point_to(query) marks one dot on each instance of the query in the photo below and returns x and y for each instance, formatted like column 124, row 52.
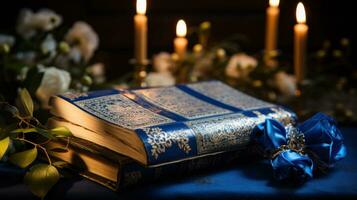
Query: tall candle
column 272, row 20
column 300, row 41
column 180, row 42
column 140, row 25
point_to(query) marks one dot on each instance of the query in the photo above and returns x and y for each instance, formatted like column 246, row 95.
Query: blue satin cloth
column 297, row 152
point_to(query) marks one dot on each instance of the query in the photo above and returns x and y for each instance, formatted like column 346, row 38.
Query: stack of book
column 123, row 137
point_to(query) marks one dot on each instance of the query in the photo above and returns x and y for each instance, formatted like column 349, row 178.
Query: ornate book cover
column 181, row 122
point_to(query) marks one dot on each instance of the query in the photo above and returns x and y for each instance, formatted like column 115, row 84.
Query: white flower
column 285, row 83
column 29, row 22
column 7, row 39
column 97, row 71
column 155, row 79
column 83, row 37
column 240, row 65
column 54, row 81
column 49, row 45
column 162, row 62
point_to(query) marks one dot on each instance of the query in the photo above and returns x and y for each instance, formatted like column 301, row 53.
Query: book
column 117, row 172
column 158, row 126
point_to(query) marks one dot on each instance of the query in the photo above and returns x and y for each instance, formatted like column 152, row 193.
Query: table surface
column 245, row 179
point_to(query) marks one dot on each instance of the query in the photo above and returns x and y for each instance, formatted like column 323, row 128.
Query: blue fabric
column 293, row 151
column 324, row 139
column 292, row 166
column 246, row 179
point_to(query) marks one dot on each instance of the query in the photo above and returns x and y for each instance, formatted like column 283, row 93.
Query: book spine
column 133, row 174
column 195, row 138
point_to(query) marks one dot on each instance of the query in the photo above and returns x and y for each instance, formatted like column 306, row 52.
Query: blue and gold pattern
column 227, row 95
column 186, row 140
column 121, row 111
column 229, row 132
column 185, row 121
column 168, row 142
column 221, row 133
column 179, row 102
column 160, row 140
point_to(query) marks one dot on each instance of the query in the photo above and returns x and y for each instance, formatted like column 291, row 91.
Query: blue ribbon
column 296, row 151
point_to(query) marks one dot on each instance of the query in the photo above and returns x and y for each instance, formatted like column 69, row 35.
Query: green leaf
column 24, row 158
column 45, row 133
column 41, row 178
column 26, row 102
column 4, row 145
column 61, row 132
column 24, row 130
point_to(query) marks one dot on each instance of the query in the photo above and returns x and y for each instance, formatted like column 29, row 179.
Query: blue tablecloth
column 245, row 179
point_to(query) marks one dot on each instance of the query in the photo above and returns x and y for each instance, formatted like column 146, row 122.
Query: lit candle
column 272, row 20
column 180, row 42
column 300, row 40
column 140, row 24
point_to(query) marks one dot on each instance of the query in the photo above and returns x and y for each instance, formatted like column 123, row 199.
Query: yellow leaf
column 61, row 131
column 41, row 178
column 24, row 158
column 4, row 145
column 24, row 130
column 26, row 101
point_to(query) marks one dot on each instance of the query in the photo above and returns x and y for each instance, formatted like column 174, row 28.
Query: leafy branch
column 21, row 136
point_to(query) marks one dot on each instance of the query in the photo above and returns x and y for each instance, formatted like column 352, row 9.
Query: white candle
column 180, row 42
column 272, row 21
column 140, row 25
column 300, row 42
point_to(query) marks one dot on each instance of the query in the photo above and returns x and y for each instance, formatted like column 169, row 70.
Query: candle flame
column 141, row 7
column 181, row 28
column 274, row 3
column 300, row 13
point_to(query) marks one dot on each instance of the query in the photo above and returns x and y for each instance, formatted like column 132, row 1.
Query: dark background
column 113, row 21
